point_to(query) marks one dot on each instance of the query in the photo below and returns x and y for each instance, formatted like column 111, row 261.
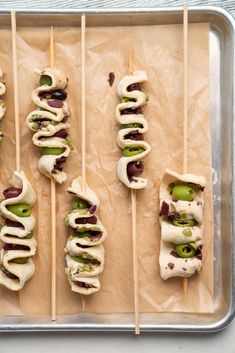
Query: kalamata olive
column 61, row 133
column 45, row 94
column 8, row 274
column 59, row 94
column 129, row 111
column 92, row 209
column 135, row 168
column 11, row 223
column 7, row 247
column 164, row 209
column 55, row 103
column 90, row 220
column 65, row 118
column 83, row 284
column 12, row 192
column 134, row 135
column 134, row 87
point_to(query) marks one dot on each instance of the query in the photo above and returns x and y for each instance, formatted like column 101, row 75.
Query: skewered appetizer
column 129, row 115
column 84, row 249
column 181, row 221
column 2, row 104
column 16, row 266
column 49, row 123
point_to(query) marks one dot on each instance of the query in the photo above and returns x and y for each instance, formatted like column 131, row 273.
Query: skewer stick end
column 83, row 303
column 130, row 58
column 185, row 286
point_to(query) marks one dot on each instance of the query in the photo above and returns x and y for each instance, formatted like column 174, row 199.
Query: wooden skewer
column 16, row 91
column 185, row 125
column 134, row 232
column 53, row 214
column 83, row 91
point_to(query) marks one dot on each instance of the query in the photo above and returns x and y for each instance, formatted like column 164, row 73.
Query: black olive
column 59, row 94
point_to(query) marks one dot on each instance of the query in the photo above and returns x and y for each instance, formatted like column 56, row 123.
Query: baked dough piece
column 48, row 120
column 84, row 262
column 84, row 252
column 172, row 265
column 138, row 100
column 19, row 242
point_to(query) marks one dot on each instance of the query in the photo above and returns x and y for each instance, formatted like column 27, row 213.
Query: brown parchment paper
column 158, row 50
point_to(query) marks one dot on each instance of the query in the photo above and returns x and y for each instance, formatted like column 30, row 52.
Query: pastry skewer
column 133, row 125
column 181, row 204
column 134, row 231
column 16, row 265
column 185, row 125
column 50, row 127
column 84, row 249
column 83, row 109
column 53, row 213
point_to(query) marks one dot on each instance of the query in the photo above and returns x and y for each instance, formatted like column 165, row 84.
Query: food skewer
column 84, row 249
column 134, row 229
column 83, row 110
column 133, row 125
column 185, row 124
column 2, row 103
column 50, row 127
column 16, row 265
column 181, row 204
column 53, row 213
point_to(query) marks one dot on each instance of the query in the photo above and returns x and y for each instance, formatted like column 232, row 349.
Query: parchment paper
column 158, row 50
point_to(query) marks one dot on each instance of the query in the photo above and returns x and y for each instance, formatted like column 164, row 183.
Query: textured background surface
column 108, row 342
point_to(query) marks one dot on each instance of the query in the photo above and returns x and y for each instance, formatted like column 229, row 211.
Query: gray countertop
column 119, row 342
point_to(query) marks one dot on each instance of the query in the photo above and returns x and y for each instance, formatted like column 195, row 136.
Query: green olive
column 183, row 222
column 84, row 259
column 183, row 192
column 80, row 204
column 29, row 236
column 20, row 209
column 132, row 151
column 185, row 250
column 80, row 235
column 127, row 99
column 20, row 260
column 131, row 125
column 53, row 122
column 45, row 80
column 53, row 150
column 82, row 230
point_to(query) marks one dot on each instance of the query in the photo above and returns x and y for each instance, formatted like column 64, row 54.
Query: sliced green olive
column 53, row 122
column 183, row 192
column 182, row 222
column 131, row 125
column 127, row 99
column 85, row 259
column 20, row 209
column 29, row 236
column 82, row 229
column 80, row 204
column 132, row 151
column 185, row 250
column 81, row 235
column 45, row 80
column 20, row 260
column 52, row 150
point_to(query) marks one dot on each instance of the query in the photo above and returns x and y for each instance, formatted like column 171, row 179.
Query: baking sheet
column 158, row 50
